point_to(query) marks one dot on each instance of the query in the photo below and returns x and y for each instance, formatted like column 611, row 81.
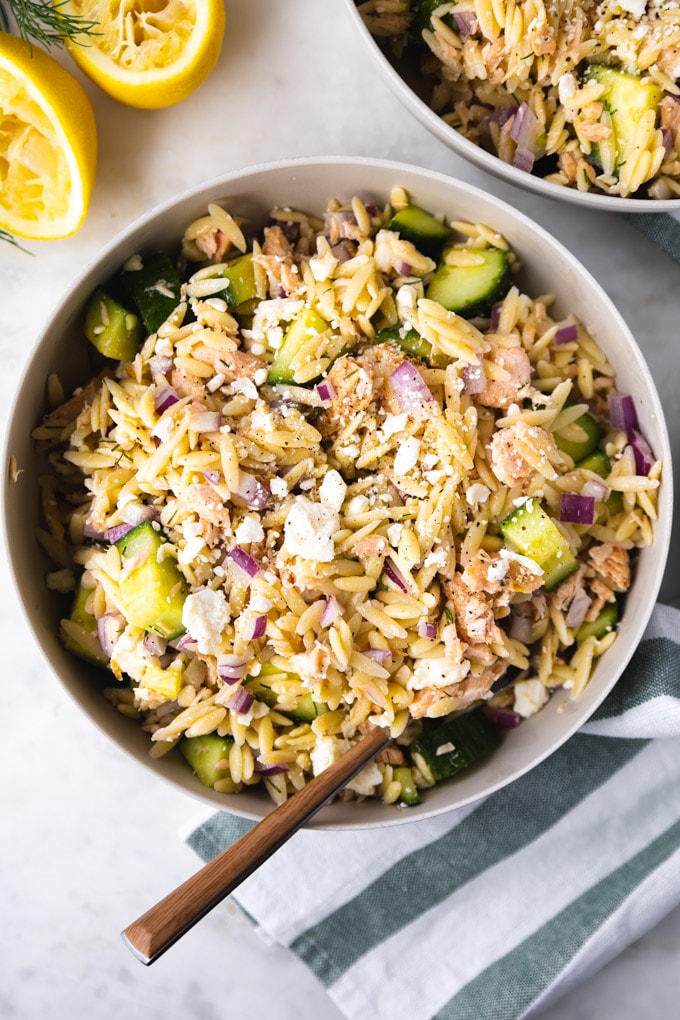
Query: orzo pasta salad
column 335, row 473
column 584, row 93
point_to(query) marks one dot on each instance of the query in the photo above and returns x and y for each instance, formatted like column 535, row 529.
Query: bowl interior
column 547, row 268
column 406, row 82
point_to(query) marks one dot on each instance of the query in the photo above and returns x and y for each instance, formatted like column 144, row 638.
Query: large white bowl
column 308, row 184
column 404, row 80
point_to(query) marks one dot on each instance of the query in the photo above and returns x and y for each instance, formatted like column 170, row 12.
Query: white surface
column 89, row 842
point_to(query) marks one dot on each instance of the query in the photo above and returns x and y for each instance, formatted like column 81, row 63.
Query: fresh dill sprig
column 5, row 236
column 45, row 23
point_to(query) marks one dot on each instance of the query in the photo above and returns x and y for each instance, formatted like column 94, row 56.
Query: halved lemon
column 48, row 144
column 148, row 53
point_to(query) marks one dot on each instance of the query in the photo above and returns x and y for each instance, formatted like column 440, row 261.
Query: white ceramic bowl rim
column 486, row 160
column 350, row 175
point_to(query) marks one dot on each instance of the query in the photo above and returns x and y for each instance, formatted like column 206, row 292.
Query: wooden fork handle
column 161, row 926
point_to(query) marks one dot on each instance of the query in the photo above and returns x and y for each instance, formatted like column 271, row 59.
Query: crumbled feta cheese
column 325, row 751
column 309, row 530
column 476, row 494
column 260, row 604
column 445, row 748
column 394, row 534
column 530, row 695
column 407, row 456
column 393, row 423
column 260, row 376
column 437, row 558
column 205, row 615
column 192, row 547
column 163, row 429
column 322, row 266
column 437, row 673
column 278, row 487
column 429, row 461
column 215, row 383
column 249, row 530
column 245, row 386
column 333, row 489
column 358, row 505
column 634, row 7
column 365, row 782
column 406, row 299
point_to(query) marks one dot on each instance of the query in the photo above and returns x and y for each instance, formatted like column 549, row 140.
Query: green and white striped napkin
column 496, row 909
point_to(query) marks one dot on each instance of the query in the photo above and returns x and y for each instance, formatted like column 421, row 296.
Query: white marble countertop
column 88, row 843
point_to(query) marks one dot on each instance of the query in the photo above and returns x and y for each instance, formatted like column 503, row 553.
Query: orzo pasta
column 584, row 93
column 337, row 473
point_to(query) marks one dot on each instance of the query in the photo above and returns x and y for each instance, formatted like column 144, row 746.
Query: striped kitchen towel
column 493, row 911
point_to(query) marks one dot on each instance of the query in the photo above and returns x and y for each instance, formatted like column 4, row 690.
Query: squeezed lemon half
column 48, row 144
column 148, row 53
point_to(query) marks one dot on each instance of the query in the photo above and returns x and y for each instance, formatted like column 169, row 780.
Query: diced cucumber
column 208, row 756
column 240, row 276
column 409, row 791
column 471, row 290
column 580, row 438
column 531, row 532
column 627, row 97
column 412, row 343
column 598, row 462
column 455, row 744
column 115, row 331
column 425, row 232
column 167, row 682
column 152, row 592
column 304, row 326
column 155, row 289
column 305, row 710
column 81, row 637
column 607, row 620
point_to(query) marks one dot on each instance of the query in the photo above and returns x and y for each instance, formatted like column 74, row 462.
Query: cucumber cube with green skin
column 152, row 592
column 409, row 791
column 304, row 326
column 240, row 276
column 167, row 682
column 411, row 342
column 155, row 289
column 530, row 531
column 425, row 232
column 626, row 97
column 115, row 331
column 599, row 627
column 598, row 462
column 455, row 745
column 471, row 290
column 80, row 637
column 306, row 709
column 208, row 756
column 580, row 438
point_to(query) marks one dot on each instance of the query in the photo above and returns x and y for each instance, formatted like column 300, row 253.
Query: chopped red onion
column 566, row 333
column 109, row 628
column 164, row 399
column 326, row 391
column 336, row 222
column 259, row 627
column 244, row 560
column 184, row 643
column 503, row 114
column 523, row 160
column 577, row 509
column 667, row 139
column 135, row 513
column 595, row 488
column 332, row 610
column 342, row 251
column 252, row 492
column 466, row 23
column 269, row 770
column 113, row 534
column 231, row 668
column 394, row 575
column 644, row 458
column 410, row 389
column 89, row 531
column 403, row 268
column 238, row 701
column 495, row 316
column 622, row 412
column 506, row 719
column 427, row 629
column 160, row 364
column 522, row 623
column 525, row 129
column 579, row 606
column 212, row 476
column 154, row 644
column 205, row 421
column 379, row 655
column 474, row 380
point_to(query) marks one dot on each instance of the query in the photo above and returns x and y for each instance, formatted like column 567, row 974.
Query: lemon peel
column 148, row 53
column 48, row 144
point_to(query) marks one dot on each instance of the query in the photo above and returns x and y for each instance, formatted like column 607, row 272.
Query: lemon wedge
column 48, row 144
column 148, row 53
